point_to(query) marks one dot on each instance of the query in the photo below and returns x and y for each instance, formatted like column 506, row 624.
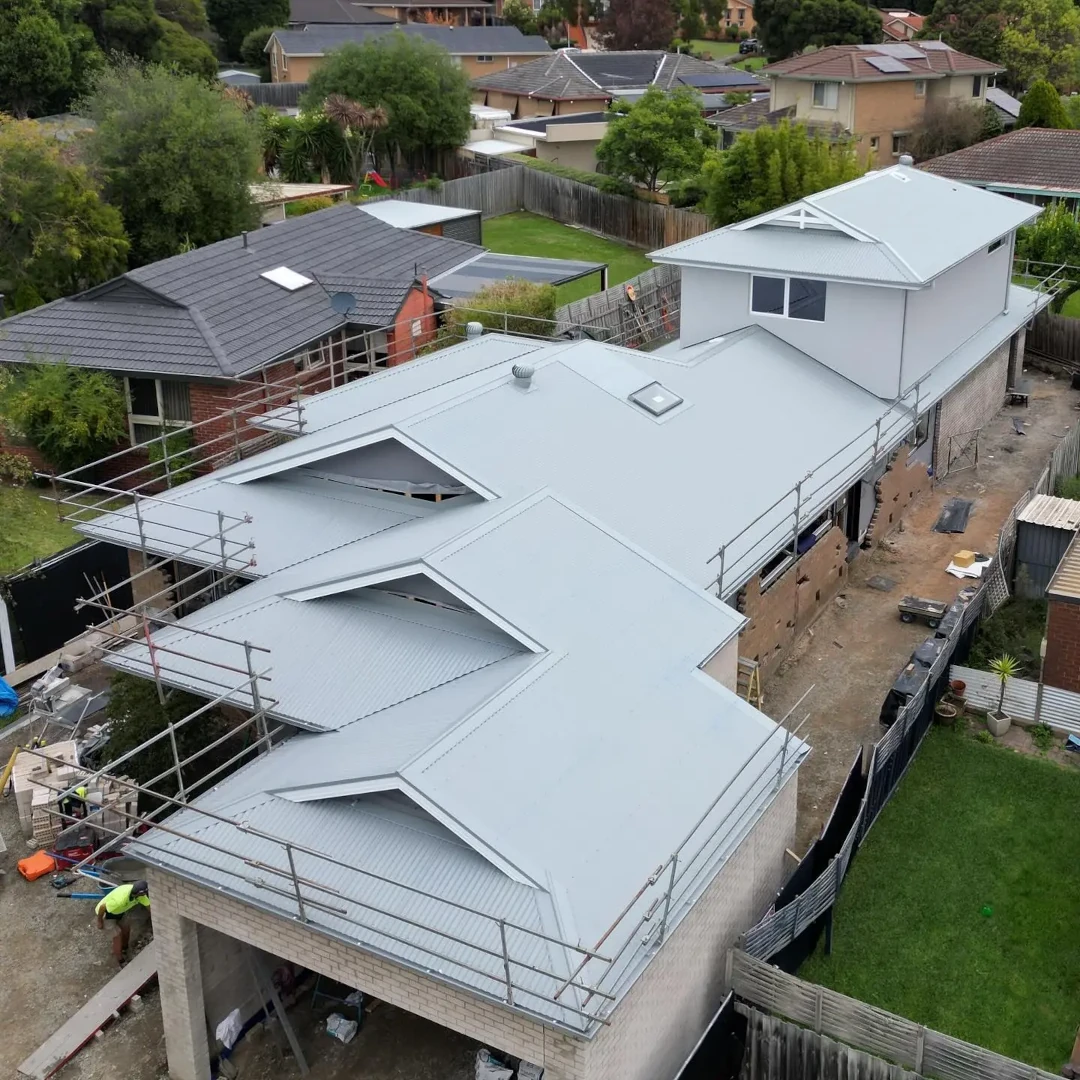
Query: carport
column 492, row 266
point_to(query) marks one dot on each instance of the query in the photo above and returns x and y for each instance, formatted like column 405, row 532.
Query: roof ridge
column 578, row 69
column 212, row 342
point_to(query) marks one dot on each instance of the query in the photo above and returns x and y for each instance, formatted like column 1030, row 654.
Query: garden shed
column 1044, row 530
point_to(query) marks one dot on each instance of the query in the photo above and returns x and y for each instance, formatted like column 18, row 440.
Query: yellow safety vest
column 119, row 901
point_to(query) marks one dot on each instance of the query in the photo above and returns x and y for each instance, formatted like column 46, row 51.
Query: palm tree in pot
column 1005, row 667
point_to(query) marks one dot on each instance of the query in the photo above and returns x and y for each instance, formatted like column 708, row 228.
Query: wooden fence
column 652, row 316
column 1056, row 338
column 873, row 1030
column 777, row 1050
column 502, row 191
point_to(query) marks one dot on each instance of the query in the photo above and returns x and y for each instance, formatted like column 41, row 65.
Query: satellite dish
column 343, row 302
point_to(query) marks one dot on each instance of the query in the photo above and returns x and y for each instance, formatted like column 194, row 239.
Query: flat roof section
column 410, row 215
column 485, row 270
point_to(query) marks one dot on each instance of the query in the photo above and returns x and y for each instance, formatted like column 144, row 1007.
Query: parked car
column 750, row 45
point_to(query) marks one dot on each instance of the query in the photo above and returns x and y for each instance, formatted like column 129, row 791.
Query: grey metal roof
column 1065, row 584
column 928, row 225
column 1003, row 101
column 470, row 277
column 316, row 40
column 302, row 12
column 580, row 705
column 208, row 312
column 1053, row 512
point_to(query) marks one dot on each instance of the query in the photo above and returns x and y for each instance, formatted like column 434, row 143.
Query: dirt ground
column 854, row 651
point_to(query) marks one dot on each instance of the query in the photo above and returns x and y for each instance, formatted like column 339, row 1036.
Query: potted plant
column 1005, row 667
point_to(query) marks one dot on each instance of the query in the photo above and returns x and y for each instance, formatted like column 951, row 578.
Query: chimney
column 523, row 374
column 907, row 159
column 243, row 236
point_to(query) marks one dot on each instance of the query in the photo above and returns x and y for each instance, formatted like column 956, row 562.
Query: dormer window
column 792, row 298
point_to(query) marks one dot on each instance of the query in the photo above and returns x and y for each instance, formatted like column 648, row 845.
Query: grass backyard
column 29, row 527
column 523, row 233
column 960, row 909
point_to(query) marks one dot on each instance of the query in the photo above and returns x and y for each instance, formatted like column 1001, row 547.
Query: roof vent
column 656, row 399
column 906, row 159
column 288, row 279
column 523, row 374
column 473, row 329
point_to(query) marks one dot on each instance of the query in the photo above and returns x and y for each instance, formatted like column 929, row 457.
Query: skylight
column 286, row 278
column 655, row 399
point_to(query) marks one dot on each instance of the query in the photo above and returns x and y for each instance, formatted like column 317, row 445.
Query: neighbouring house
column 740, row 119
column 447, row 12
column 569, row 140
column 1005, row 105
column 236, row 77
column 273, row 196
column 878, row 94
column 576, row 81
column 919, row 264
column 1061, row 665
column 295, row 54
column 740, row 14
column 899, row 24
column 1035, row 165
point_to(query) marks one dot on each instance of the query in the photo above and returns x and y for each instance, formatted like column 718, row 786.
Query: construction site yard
column 854, row 651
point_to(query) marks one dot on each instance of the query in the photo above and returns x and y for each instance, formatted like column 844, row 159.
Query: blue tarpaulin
column 9, row 700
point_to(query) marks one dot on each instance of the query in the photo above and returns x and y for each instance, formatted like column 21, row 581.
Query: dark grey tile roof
column 302, row 12
column 210, row 313
column 572, row 73
column 459, row 40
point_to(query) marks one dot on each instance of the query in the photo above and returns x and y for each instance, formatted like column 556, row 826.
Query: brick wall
column 778, row 615
column 650, row 1034
column 970, row 406
column 903, row 479
column 1062, row 664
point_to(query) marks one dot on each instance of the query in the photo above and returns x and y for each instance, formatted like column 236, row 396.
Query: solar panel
column 936, row 45
column 888, row 65
column 899, row 49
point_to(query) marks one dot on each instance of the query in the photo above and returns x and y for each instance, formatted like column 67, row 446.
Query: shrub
column 1042, row 735
column 610, row 184
column 984, row 736
column 731, row 33
column 15, row 469
column 516, row 306
column 1015, row 629
column 178, row 445
column 308, row 206
column 71, row 416
column 1068, row 487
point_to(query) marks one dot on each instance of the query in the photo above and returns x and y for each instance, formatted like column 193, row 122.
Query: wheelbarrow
column 930, row 612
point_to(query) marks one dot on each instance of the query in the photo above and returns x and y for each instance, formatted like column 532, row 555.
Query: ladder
column 750, row 681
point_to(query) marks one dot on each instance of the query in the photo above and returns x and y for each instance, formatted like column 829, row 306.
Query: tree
column 425, row 94
column 358, row 125
column 949, row 125
column 660, row 135
column 313, row 149
column 177, row 157
column 70, row 415
column 190, row 14
column 637, row 24
column 970, row 26
column 691, row 20
column 253, row 47
column 1041, row 107
column 1053, row 240
column 785, row 27
column 520, row 14
column 235, row 19
column 131, row 27
column 770, row 167
column 1040, row 39
column 56, row 235
column 178, row 50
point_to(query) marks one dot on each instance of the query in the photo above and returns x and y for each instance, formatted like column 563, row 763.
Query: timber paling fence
column 772, row 1048
column 651, row 317
column 519, row 187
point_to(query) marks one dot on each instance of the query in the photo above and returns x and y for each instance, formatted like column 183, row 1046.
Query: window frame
column 976, row 86
column 786, row 313
column 825, row 87
column 485, row 58
column 920, row 88
column 145, row 419
column 875, row 143
column 995, row 245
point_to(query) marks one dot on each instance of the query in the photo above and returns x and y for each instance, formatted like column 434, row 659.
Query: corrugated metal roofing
column 932, row 225
column 468, row 279
column 1065, row 584
column 1053, row 512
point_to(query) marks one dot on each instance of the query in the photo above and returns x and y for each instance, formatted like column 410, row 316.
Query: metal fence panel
column 984, row 687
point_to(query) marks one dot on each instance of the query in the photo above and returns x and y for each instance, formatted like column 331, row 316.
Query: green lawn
column 718, row 49
column 29, row 527
column 961, row 910
column 523, row 233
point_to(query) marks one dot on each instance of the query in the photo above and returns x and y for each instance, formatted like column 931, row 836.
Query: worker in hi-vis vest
column 114, row 907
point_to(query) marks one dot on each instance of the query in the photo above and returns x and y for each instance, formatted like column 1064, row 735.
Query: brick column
column 180, row 982
column 1061, row 667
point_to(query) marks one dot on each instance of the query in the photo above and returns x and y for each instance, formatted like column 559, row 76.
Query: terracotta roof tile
column 852, row 62
column 1043, row 158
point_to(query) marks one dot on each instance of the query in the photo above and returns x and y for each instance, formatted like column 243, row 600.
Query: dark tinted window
column 768, row 295
column 806, row 299
column 143, row 397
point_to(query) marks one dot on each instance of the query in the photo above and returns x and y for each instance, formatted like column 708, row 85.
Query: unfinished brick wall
column 895, row 490
column 970, row 406
column 1061, row 667
column 650, row 1034
column 778, row 615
